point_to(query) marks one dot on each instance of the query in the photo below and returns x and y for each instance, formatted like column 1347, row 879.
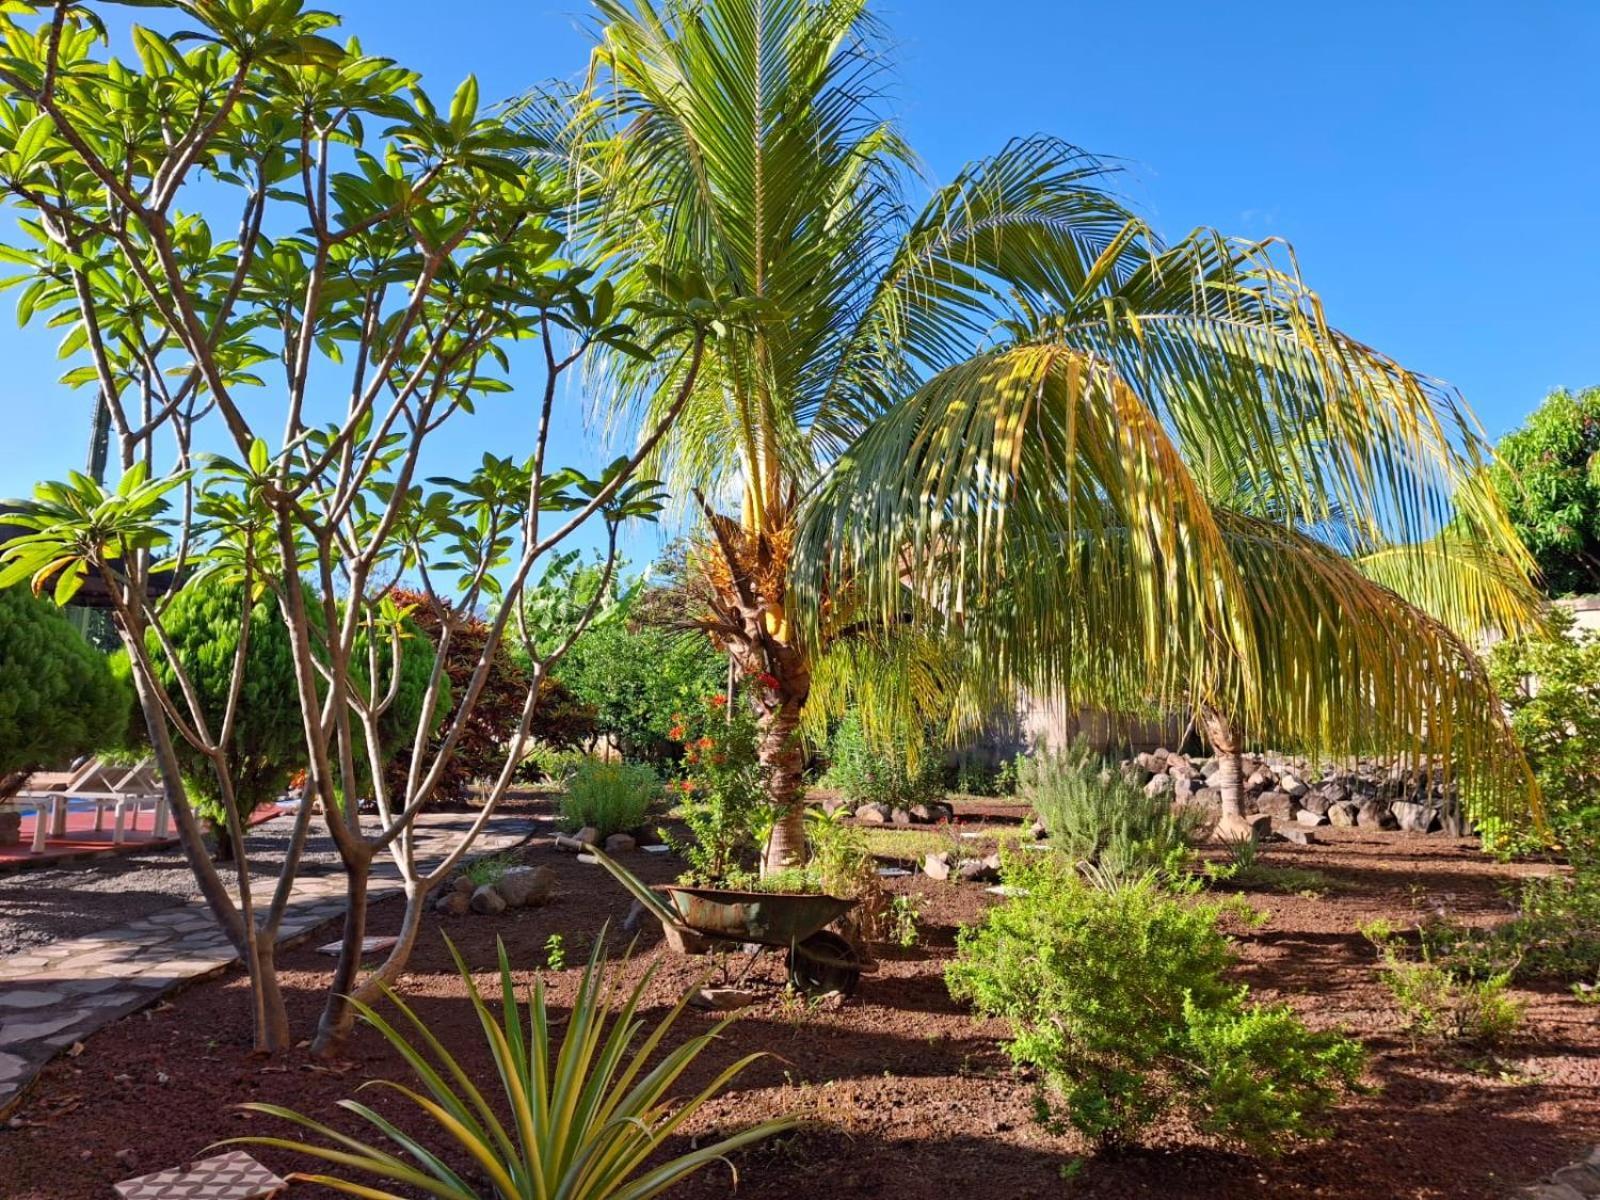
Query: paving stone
column 32, row 998
column 231, row 1176
column 17, row 1033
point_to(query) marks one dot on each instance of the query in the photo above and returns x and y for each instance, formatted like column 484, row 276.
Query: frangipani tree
column 950, row 408
column 384, row 255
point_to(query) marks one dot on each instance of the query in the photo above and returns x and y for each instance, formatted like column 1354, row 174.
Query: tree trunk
column 333, row 1026
column 1226, row 743
column 781, row 758
column 333, row 1030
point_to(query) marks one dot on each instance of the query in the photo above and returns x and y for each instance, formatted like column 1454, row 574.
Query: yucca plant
column 586, row 1123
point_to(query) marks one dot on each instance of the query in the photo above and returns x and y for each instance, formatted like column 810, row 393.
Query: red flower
column 705, row 743
column 767, row 680
column 677, row 733
column 717, row 701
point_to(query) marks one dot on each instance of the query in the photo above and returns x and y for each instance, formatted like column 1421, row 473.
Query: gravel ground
column 50, row 904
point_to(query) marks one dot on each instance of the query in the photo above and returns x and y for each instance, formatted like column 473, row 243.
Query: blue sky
column 1435, row 164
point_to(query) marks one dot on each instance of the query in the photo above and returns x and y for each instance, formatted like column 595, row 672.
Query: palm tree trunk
column 1226, row 743
column 783, row 763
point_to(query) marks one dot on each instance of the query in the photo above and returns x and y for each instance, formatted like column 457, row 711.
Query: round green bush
column 58, row 696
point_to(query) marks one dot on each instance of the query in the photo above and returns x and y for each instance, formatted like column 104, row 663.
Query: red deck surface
column 81, row 838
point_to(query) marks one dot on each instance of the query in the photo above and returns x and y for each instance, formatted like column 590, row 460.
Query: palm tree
column 943, row 410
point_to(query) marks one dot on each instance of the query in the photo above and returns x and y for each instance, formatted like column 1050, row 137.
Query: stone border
column 60, row 993
column 1578, row 1181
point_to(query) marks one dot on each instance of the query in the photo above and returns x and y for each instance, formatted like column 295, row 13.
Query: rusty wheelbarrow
column 819, row 960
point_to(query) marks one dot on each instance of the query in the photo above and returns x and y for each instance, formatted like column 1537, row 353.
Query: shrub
column 1441, row 1000
column 614, row 797
column 905, row 772
column 58, row 697
column 203, row 623
column 1551, row 689
column 480, row 751
column 1546, row 476
column 724, row 798
column 1096, row 816
column 548, row 764
column 615, row 1101
column 1119, row 998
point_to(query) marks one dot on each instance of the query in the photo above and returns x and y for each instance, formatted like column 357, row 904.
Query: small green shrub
column 904, row 912
column 488, row 870
column 614, row 797
column 908, row 771
column 1096, row 816
column 545, row 763
column 724, row 797
column 1441, row 1001
column 1558, row 929
column 1119, row 998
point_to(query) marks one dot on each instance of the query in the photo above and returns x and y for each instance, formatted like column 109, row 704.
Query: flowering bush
column 723, row 794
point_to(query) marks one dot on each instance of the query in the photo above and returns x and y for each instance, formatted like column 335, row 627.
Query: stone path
column 62, row 992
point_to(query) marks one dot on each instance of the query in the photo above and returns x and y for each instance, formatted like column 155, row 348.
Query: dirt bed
column 906, row 1095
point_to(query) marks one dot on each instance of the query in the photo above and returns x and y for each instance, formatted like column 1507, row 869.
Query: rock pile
column 1368, row 794
column 519, row 887
column 929, row 813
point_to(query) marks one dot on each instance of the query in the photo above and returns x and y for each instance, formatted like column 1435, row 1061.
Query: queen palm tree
column 945, row 408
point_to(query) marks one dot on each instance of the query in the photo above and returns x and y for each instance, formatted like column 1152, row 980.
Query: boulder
column 932, row 812
column 1315, row 802
column 620, row 843
column 1310, row 819
column 1413, row 817
column 1182, row 787
column 831, row 804
column 937, row 866
column 1290, row 786
column 1374, row 814
column 1209, row 796
column 1244, row 829
column 980, row 870
column 1160, row 784
column 1039, row 830
column 588, row 835
column 1300, row 837
column 527, row 887
column 1335, row 792
column 453, row 904
column 1277, row 804
column 1259, row 780
column 1343, row 814
column 487, row 902
column 900, row 816
column 873, row 814
column 464, row 885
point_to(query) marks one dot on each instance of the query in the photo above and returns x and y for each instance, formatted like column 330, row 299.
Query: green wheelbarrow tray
column 819, row 960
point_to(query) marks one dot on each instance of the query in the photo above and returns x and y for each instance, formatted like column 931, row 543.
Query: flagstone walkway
column 60, row 993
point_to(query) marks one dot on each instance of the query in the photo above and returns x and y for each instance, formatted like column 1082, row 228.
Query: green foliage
column 587, row 1119
column 907, row 771
column 1555, row 935
column 1097, row 816
column 614, row 797
column 1439, row 999
column 555, row 952
column 1547, row 476
column 632, row 674
column 203, row 624
column 1551, row 688
column 1558, row 928
column 488, row 869
column 58, row 697
column 904, row 913
column 549, row 764
column 1119, row 997
column 724, row 801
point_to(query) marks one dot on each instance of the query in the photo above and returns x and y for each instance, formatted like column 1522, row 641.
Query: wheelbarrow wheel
column 822, row 963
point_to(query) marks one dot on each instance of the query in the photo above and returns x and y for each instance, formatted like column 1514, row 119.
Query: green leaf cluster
column 58, row 696
column 1120, row 998
column 1548, row 476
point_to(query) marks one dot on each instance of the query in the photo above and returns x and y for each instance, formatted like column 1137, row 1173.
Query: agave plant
column 585, row 1122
